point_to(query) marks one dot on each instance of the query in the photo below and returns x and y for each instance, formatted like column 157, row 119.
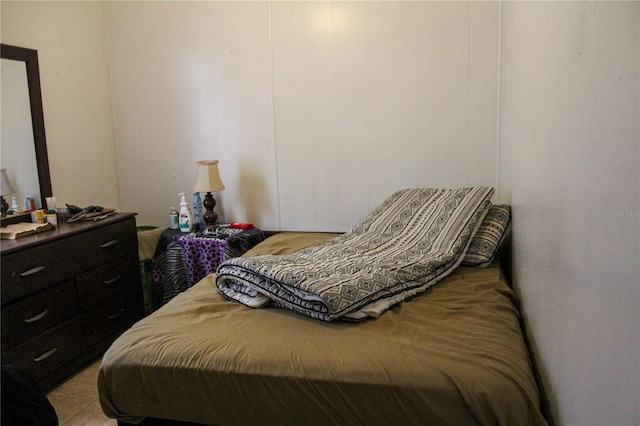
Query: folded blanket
column 411, row 241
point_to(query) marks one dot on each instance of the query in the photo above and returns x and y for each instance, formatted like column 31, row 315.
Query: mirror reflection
column 23, row 158
column 17, row 150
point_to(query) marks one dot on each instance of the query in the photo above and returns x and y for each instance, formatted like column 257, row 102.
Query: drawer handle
column 117, row 314
column 113, row 280
column 33, row 271
column 109, row 244
column 45, row 355
column 37, row 317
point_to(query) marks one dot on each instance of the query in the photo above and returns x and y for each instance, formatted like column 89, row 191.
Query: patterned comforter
column 411, row 241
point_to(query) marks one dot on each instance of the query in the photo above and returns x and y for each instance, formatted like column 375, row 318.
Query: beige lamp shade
column 6, row 187
column 208, row 179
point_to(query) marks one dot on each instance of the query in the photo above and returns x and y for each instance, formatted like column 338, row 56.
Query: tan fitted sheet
column 453, row 355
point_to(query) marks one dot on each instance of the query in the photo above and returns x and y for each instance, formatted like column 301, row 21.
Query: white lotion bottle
column 185, row 219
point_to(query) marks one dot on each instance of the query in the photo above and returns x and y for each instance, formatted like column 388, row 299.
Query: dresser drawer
column 30, row 270
column 116, row 314
column 108, row 280
column 26, row 318
column 106, row 243
column 49, row 351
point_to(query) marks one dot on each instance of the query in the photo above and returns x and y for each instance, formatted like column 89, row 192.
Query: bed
column 451, row 354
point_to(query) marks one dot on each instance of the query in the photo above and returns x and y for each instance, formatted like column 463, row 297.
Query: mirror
column 24, row 145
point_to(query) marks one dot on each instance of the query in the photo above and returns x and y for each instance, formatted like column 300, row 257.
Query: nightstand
column 181, row 260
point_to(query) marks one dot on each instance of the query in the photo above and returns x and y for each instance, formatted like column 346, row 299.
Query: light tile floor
column 76, row 400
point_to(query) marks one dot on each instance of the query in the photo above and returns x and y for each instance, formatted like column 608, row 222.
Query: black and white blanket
column 411, row 241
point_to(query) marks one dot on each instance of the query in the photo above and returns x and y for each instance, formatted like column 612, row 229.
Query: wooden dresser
column 67, row 294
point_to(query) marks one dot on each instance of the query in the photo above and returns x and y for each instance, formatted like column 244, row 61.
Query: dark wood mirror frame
column 30, row 58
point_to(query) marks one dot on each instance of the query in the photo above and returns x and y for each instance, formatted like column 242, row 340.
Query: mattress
column 451, row 355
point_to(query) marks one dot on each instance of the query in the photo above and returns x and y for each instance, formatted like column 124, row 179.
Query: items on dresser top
column 74, row 213
column 182, row 260
column 67, row 294
column 22, row 229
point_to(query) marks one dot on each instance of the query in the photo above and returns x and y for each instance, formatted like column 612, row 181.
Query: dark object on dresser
column 67, row 294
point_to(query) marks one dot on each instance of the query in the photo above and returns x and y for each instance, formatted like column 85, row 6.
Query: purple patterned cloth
column 203, row 255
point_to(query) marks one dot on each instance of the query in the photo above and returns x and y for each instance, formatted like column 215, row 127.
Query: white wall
column 71, row 44
column 316, row 111
column 374, row 97
column 571, row 169
column 192, row 81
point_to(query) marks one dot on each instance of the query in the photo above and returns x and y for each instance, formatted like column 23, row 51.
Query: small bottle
column 198, row 221
column 52, row 217
column 40, row 216
column 173, row 218
column 51, row 203
column 185, row 218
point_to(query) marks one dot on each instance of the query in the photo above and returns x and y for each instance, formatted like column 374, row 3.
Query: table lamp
column 208, row 180
column 7, row 189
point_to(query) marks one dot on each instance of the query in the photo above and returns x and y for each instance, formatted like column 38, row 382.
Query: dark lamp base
column 210, row 217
